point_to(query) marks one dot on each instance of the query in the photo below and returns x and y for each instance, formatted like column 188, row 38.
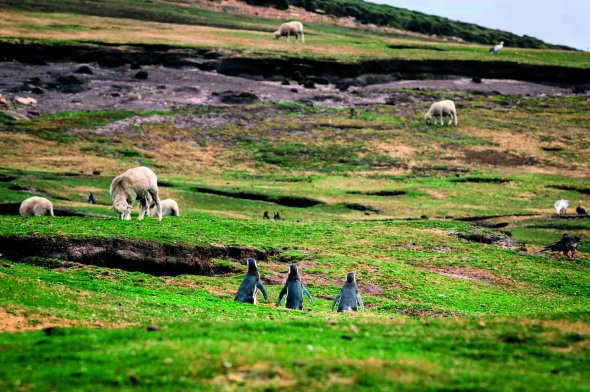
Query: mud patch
column 501, row 241
column 482, row 180
column 497, row 158
column 386, row 193
column 289, row 201
column 362, row 207
column 12, row 209
column 468, row 273
column 130, row 255
column 585, row 191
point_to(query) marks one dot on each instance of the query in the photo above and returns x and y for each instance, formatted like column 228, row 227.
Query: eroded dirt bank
column 129, row 254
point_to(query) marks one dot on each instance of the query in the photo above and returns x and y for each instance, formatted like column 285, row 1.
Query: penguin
column 276, row 216
column 265, row 215
column 568, row 245
column 250, row 285
column 91, row 198
column 581, row 210
column 294, row 290
column 349, row 296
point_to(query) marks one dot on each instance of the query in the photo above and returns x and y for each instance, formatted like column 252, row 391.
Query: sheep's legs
column 154, row 194
column 302, row 38
column 143, row 207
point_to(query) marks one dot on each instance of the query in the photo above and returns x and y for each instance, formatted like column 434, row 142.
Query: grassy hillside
column 443, row 225
column 192, row 26
column 442, row 310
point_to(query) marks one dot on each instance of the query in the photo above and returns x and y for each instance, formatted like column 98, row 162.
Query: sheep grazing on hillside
column 497, row 48
column 140, row 184
column 36, row 206
column 441, row 109
column 288, row 29
column 169, row 208
column 561, row 206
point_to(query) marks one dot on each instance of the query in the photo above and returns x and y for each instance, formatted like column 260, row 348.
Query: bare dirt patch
column 468, row 273
column 127, row 254
column 499, row 158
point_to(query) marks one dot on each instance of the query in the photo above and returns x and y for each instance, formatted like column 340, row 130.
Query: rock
column 188, row 89
column 235, row 97
column 37, row 90
column 342, row 86
column 84, row 69
column 135, row 66
column 578, row 90
column 476, row 79
column 212, row 55
column 3, row 101
column 68, row 84
column 319, row 80
column 25, row 100
column 308, row 84
column 294, row 90
column 95, row 173
column 141, row 74
column 298, row 76
column 285, row 82
column 210, row 65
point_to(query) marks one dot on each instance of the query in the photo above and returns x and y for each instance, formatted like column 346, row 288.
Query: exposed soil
column 468, row 273
column 497, row 158
column 362, row 207
column 128, row 254
column 185, row 77
column 501, row 241
column 289, row 201
column 12, row 209
column 481, row 180
column 386, row 193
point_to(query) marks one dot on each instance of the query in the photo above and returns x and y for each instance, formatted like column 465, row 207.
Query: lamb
column 497, row 48
column 288, row 29
column 441, row 109
column 36, row 206
column 169, row 208
column 139, row 183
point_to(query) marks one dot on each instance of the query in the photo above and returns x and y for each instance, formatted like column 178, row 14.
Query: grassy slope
column 510, row 308
column 195, row 27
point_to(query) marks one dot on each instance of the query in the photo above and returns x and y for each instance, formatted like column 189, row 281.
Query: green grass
column 442, row 312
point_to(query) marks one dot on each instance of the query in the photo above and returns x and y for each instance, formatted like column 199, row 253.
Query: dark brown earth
column 127, row 254
column 58, row 88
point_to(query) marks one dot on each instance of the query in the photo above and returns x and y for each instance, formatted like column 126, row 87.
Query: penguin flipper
column 281, row 295
column 307, row 293
column 360, row 301
column 336, row 300
column 261, row 288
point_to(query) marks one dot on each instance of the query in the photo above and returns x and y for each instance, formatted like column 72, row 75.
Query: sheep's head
column 123, row 209
column 428, row 117
column 276, row 35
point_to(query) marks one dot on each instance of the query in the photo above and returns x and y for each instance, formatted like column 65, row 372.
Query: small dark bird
column 581, row 210
column 91, row 198
column 276, row 216
column 568, row 245
column 265, row 215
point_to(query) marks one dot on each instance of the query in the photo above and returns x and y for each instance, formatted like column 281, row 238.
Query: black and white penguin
column 294, row 290
column 349, row 298
column 250, row 285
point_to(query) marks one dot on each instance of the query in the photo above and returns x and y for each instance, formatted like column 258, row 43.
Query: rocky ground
column 68, row 86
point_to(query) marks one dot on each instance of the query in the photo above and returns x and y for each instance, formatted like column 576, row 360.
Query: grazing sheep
column 561, row 206
column 441, row 109
column 497, row 48
column 288, row 29
column 169, row 208
column 140, row 184
column 36, row 206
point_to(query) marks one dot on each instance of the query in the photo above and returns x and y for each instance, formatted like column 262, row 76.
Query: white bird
column 497, row 48
column 561, row 206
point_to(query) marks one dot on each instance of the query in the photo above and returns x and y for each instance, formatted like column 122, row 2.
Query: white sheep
column 139, row 183
column 36, row 206
column 441, row 109
column 561, row 206
column 497, row 48
column 169, row 208
column 288, row 29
